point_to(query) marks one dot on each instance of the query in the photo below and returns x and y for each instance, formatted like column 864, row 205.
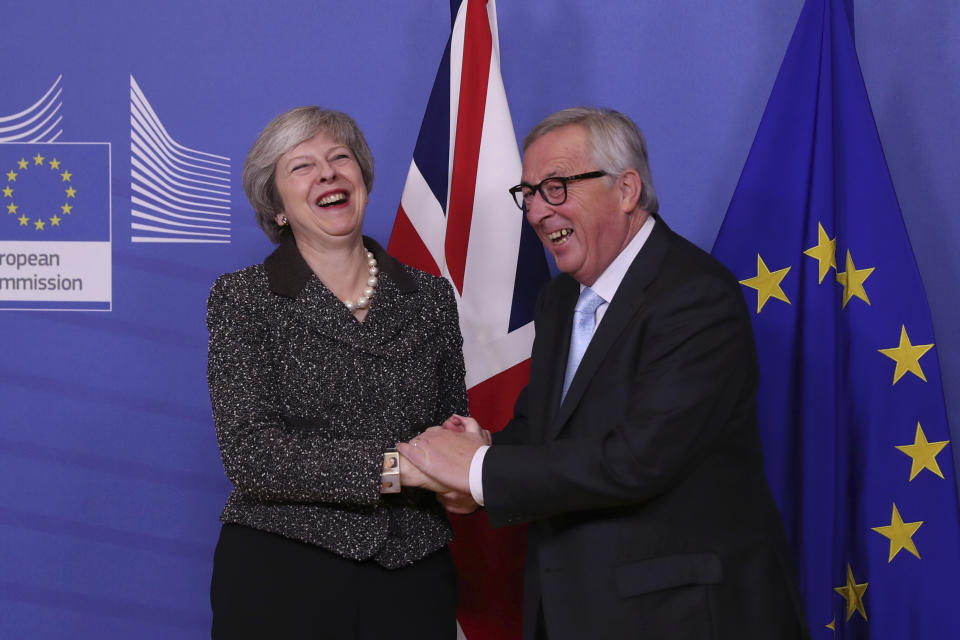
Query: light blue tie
column 583, row 325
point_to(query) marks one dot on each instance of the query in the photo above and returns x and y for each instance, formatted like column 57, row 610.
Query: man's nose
column 538, row 208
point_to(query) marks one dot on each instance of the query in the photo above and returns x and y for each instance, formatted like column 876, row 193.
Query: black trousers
column 268, row 586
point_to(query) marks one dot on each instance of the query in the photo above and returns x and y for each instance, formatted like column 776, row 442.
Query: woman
column 320, row 360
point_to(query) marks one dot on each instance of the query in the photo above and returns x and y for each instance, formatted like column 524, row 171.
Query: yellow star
column 66, row 209
column 55, row 221
column 54, row 164
column 23, row 220
column 767, row 284
column 38, row 160
column 853, row 594
column 907, row 356
column 900, row 534
column 825, row 251
column 11, row 208
column 833, row 624
column 923, row 454
column 852, row 281
column 22, row 163
column 7, row 192
column 71, row 192
column 11, row 176
column 66, row 175
column 39, row 224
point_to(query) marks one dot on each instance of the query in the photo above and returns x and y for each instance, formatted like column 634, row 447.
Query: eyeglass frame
column 538, row 188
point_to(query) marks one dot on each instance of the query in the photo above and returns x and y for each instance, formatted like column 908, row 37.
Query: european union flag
column 851, row 406
column 55, row 191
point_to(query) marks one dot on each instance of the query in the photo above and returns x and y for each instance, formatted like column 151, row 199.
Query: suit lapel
column 550, row 353
column 625, row 305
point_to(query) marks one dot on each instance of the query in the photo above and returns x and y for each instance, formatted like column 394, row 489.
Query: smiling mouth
column 332, row 199
column 560, row 236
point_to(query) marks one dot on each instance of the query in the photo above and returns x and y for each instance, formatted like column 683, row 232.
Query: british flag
column 456, row 219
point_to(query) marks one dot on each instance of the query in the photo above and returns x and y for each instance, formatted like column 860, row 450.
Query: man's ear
column 630, row 186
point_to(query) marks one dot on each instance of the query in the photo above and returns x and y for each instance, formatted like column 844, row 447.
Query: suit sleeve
column 691, row 374
column 262, row 456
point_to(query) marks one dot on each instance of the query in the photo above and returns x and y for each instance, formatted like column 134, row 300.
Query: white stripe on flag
column 425, row 214
column 491, row 265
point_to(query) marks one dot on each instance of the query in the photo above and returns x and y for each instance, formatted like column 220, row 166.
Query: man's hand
column 445, row 454
column 411, row 476
column 460, row 423
column 456, row 502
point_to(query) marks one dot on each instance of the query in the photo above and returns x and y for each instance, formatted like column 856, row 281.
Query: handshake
column 439, row 460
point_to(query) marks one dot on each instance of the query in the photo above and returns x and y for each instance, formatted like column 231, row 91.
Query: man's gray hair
column 616, row 142
column 283, row 133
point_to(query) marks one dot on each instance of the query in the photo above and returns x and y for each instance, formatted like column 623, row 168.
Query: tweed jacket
column 306, row 399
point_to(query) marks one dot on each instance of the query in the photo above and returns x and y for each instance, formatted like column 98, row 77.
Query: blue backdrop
column 110, row 479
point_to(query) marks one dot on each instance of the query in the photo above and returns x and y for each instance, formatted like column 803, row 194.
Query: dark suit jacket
column 306, row 400
column 650, row 516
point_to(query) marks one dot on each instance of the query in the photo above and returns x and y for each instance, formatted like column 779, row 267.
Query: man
column 633, row 453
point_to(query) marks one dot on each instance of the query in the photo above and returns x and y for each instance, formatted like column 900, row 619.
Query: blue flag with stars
column 851, row 406
column 54, row 191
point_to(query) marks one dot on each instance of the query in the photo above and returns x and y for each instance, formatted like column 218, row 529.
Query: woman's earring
column 283, row 221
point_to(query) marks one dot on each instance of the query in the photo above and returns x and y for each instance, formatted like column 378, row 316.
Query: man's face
column 587, row 231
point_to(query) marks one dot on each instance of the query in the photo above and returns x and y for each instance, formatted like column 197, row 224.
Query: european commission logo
column 55, row 226
column 179, row 194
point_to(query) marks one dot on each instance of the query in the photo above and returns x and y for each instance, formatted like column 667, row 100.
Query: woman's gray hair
column 616, row 142
column 283, row 133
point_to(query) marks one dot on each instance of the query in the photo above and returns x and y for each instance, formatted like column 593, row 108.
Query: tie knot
column 588, row 301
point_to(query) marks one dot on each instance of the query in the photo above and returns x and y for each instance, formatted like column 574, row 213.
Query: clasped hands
column 439, row 460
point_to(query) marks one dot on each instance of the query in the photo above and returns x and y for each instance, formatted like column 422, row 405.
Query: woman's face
column 322, row 190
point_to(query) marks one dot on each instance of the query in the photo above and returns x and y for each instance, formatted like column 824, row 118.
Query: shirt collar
column 288, row 273
column 609, row 281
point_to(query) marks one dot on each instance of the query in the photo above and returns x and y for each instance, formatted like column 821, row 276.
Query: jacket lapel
column 549, row 358
column 623, row 308
column 314, row 306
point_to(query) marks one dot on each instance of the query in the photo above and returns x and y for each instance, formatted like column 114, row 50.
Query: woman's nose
column 325, row 172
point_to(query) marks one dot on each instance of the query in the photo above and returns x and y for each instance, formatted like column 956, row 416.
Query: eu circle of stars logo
column 38, row 195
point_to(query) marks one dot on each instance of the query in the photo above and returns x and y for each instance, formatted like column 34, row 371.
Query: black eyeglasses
column 553, row 190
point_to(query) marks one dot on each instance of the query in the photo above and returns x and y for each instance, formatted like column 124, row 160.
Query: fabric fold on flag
column 851, row 405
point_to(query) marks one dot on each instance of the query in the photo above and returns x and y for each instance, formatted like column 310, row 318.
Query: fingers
column 443, row 455
column 469, row 424
column 453, row 423
column 412, row 476
column 412, row 453
column 462, row 423
column 457, row 502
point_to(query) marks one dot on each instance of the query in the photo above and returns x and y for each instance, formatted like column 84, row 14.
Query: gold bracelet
column 390, row 475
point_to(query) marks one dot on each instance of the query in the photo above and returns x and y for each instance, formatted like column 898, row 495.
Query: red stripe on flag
column 490, row 571
column 490, row 561
column 474, row 76
column 491, row 401
column 406, row 246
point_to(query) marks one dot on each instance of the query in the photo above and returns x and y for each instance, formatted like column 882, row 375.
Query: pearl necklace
column 364, row 300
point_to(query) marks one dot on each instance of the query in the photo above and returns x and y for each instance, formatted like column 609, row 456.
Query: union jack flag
column 457, row 220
